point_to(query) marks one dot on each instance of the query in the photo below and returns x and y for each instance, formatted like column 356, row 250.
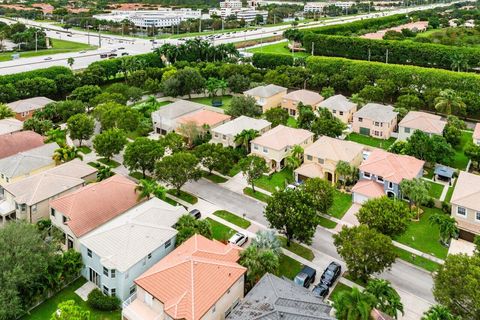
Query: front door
column 94, row 277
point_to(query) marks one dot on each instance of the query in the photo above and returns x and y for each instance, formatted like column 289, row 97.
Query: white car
column 238, row 239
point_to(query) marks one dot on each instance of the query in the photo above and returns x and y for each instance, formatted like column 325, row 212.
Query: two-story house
column 199, row 280
column 376, row 120
column 381, row 174
column 82, row 211
column 321, row 158
column 226, row 133
column 268, row 97
column 291, row 101
column 119, row 251
column 340, row 107
column 24, row 109
column 15, row 142
column 476, row 134
column 276, row 144
column 429, row 123
column 466, row 205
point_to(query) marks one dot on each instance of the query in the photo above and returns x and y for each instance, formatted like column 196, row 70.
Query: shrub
column 98, row 301
column 271, row 60
column 430, row 203
column 446, row 207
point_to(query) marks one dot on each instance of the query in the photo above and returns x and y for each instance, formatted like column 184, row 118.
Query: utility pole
column 313, row 47
column 386, row 57
column 200, row 24
column 99, row 36
column 223, row 24
column 36, row 41
column 368, row 54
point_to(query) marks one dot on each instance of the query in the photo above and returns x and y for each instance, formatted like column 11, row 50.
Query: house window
column 265, row 150
column 34, row 208
column 321, row 161
column 224, row 137
column 255, row 147
column 390, row 185
column 334, row 111
column 309, row 157
column 477, row 216
column 214, row 308
column 7, row 179
column 407, row 130
column 133, row 289
column 377, row 124
column 360, row 119
column 64, row 219
column 52, row 212
column 216, row 135
column 292, row 112
column 113, row 292
column 340, row 113
column 3, row 176
column 112, row 273
column 126, row 275
column 366, row 175
column 168, row 243
column 105, row 271
column 149, row 256
column 89, row 253
column 105, row 290
column 379, row 179
column 461, row 211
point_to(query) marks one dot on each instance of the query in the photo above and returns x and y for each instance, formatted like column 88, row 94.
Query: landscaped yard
column 278, row 48
column 185, row 196
column 370, row 141
column 257, row 194
column 297, row 248
column 424, row 236
column 289, row 267
column 275, row 181
column 232, row 218
column 84, row 149
column 220, row 231
column 339, row 287
column 111, row 163
column 417, row 260
column 208, row 100
column 341, row 203
column 46, row 309
column 448, row 197
column 214, row 177
column 292, row 122
column 327, row 223
column 435, row 190
column 460, row 160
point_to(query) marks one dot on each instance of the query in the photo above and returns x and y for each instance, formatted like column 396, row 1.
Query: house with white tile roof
column 268, row 96
column 428, row 123
column 226, row 133
column 340, row 106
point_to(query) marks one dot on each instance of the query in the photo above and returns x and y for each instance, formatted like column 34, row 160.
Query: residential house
column 15, row 142
column 429, row 123
column 275, row 145
column 465, row 203
column 82, row 211
column 476, row 134
column 25, row 108
column 291, row 101
column 226, row 133
column 200, row 279
column 321, row 158
column 376, row 120
column 204, row 120
column 10, row 125
column 28, row 199
column 119, row 251
column 268, row 97
column 169, row 117
column 341, row 107
column 279, row 298
column 382, row 172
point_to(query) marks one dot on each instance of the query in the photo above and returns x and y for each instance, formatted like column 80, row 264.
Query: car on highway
column 321, row 290
column 195, row 213
column 48, row 58
column 121, row 48
column 83, row 51
column 305, row 277
column 69, row 35
column 238, row 239
column 103, row 55
column 112, row 55
column 124, row 53
column 331, row 273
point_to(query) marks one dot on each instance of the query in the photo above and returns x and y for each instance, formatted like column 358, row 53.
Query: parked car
column 48, row 58
column 305, row 277
column 196, row 214
column 331, row 273
column 238, row 239
column 321, row 290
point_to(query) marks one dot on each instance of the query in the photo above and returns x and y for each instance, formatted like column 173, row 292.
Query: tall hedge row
column 399, row 52
column 48, row 73
column 271, row 60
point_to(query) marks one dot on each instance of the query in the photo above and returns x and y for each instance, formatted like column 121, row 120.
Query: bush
column 446, row 207
column 430, row 203
column 98, row 301
column 271, row 60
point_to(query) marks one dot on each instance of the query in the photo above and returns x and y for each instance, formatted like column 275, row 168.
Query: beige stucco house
column 291, row 101
column 268, row 97
column 276, row 144
column 340, row 107
column 321, row 158
column 466, row 205
column 226, row 133
column 476, row 134
column 375, row 120
column 429, row 123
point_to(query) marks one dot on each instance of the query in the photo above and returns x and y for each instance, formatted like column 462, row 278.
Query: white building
column 314, row 6
column 233, row 4
column 249, row 14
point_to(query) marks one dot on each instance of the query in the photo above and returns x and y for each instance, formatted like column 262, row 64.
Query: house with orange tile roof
column 276, row 144
column 15, row 142
column 200, row 279
column 429, row 123
column 466, row 205
column 203, row 119
column 80, row 212
column 291, row 101
column 476, row 134
column 381, row 174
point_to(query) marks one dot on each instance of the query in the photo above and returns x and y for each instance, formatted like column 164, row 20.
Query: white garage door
column 359, row 198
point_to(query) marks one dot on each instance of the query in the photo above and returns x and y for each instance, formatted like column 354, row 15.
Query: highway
column 134, row 46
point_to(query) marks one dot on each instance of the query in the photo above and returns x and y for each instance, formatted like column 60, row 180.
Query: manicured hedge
column 98, row 301
column 271, row 60
column 399, row 52
column 49, row 73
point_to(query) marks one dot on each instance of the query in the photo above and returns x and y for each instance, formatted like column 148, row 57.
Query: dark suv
column 305, row 277
column 331, row 274
column 321, row 290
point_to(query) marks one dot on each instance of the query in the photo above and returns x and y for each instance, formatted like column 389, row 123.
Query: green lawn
column 46, row 309
column 292, row 122
column 289, row 267
column 448, row 197
column 111, row 163
column 214, row 177
column 278, row 48
column 257, row 194
column 341, row 203
column 171, row 201
column 417, row 260
column 460, row 160
column 327, row 223
column 208, row 101
column 277, row 180
column 435, row 190
column 234, row 171
column 220, row 231
column 339, row 287
column 185, row 196
column 423, row 236
column 58, row 46
column 298, row 249
column 84, row 149
column 233, row 218
column 370, row 141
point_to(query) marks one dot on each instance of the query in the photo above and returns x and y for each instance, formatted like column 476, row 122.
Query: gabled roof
column 476, row 132
column 392, row 167
column 191, row 279
column 265, row 91
column 10, row 125
column 338, row 102
column 130, row 237
column 25, row 162
column 241, row 123
column 29, row 104
column 376, row 112
column 91, row 206
column 334, row 149
column 49, row 183
column 467, row 191
column 423, row 121
column 310, row 170
column 178, row 108
column 307, row 97
column 204, row 117
column 15, row 142
column 275, row 298
column 369, row 188
column 281, row 137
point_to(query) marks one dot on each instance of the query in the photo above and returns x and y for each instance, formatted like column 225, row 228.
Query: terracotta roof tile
column 369, row 188
column 423, row 121
column 16, row 142
column 204, row 117
column 281, row 137
column 307, row 97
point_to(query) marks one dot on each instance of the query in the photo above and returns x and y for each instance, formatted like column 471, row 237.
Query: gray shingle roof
column 177, row 109
column 29, row 104
column 265, row 91
column 376, row 112
column 338, row 102
column 241, row 123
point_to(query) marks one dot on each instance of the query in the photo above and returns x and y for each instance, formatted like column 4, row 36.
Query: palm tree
column 56, row 135
column 416, row 191
column 104, row 172
column 66, row 154
column 244, row 138
column 294, row 160
column 5, row 111
column 258, row 262
column 439, row 312
column 146, row 188
column 353, row 305
column 267, row 240
column 70, row 62
column 459, row 62
column 446, row 224
column 387, row 298
column 343, row 170
column 449, row 102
